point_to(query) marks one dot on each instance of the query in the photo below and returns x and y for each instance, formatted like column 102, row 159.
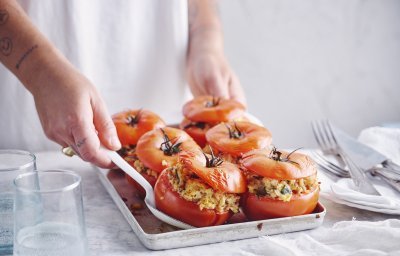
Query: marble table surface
column 109, row 233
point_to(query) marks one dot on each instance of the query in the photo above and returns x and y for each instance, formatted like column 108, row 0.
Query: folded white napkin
column 383, row 139
column 345, row 238
column 343, row 191
column 355, row 238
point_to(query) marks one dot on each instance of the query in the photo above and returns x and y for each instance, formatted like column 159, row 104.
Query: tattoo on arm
column 6, row 46
column 30, row 50
column 3, row 17
column 5, row 42
column 80, row 143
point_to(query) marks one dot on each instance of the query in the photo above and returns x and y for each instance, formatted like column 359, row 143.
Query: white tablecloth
column 109, row 233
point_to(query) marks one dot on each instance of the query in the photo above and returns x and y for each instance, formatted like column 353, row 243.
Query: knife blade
column 363, row 155
column 357, row 174
column 369, row 159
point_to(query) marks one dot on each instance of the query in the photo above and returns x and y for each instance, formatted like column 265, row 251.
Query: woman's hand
column 70, row 109
column 208, row 71
column 73, row 114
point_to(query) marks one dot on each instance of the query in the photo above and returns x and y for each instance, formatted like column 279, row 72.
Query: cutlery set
column 354, row 159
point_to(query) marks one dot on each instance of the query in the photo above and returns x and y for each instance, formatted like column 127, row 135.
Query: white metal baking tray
column 157, row 235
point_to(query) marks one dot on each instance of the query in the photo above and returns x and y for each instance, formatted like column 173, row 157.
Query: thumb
column 105, row 126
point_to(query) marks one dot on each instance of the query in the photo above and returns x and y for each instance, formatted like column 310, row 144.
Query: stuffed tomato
column 200, row 192
column 204, row 112
column 280, row 184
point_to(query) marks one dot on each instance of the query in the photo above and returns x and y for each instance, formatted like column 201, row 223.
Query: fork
column 326, row 139
column 381, row 172
column 328, row 166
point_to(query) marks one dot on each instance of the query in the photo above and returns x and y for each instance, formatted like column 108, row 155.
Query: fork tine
column 316, row 127
column 332, row 171
column 332, row 138
column 315, row 132
column 324, row 141
column 329, row 166
column 329, row 171
column 324, row 134
column 335, row 168
column 356, row 173
column 330, row 141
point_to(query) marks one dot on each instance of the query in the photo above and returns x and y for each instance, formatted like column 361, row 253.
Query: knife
column 369, row 159
column 363, row 155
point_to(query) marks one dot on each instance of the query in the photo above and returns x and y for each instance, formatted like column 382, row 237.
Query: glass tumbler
column 12, row 163
column 48, row 214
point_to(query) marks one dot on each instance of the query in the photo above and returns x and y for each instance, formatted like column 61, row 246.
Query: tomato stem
column 234, row 132
column 168, row 147
column 214, row 161
column 133, row 120
column 275, row 154
column 214, row 102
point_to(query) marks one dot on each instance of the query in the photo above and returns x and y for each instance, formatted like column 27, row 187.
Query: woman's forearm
column 205, row 31
column 23, row 48
column 208, row 71
column 70, row 109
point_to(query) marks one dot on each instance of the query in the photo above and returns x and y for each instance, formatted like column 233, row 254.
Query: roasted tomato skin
column 197, row 133
column 259, row 162
column 130, row 131
column 225, row 177
column 171, row 203
column 141, row 192
column 260, row 208
column 149, row 151
column 254, row 137
column 202, row 109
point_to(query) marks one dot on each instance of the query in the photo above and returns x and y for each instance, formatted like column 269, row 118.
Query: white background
column 312, row 59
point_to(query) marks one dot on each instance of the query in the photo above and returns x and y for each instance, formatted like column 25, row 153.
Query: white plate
column 361, row 206
column 342, row 192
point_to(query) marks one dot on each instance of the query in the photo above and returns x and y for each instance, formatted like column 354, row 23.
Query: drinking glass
column 12, row 163
column 49, row 214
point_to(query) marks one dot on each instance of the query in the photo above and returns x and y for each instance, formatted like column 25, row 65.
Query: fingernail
column 114, row 142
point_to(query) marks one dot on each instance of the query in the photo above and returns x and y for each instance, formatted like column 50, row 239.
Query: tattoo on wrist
column 80, row 143
column 29, row 51
column 6, row 46
column 3, row 17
